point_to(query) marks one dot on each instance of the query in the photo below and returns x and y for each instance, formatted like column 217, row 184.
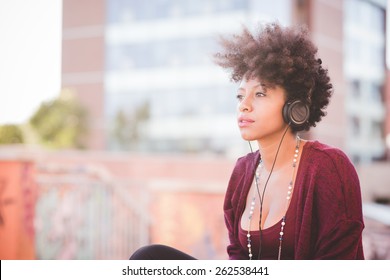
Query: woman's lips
column 244, row 122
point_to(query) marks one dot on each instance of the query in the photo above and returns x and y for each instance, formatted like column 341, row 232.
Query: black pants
column 159, row 252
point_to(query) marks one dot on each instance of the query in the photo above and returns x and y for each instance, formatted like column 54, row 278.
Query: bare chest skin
column 275, row 203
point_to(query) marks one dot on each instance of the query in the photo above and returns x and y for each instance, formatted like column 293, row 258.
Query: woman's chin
column 247, row 137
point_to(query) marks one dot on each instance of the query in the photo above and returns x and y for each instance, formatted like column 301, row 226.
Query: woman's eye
column 260, row 94
column 240, row 97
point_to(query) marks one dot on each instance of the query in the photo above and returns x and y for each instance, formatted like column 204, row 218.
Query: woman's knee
column 159, row 252
column 143, row 253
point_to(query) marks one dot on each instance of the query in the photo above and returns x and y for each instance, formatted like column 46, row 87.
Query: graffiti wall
column 17, row 207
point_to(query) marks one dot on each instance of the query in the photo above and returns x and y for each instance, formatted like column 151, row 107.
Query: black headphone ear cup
column 296, row 113
column 285, row 112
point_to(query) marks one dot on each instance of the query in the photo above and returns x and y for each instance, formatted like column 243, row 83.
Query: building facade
column 161, row 85
column 365, row 74
column 145, row 72
column 83, row 45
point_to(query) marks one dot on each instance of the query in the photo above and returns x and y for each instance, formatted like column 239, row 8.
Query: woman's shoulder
column 244, row 166
column 248, row 160
column 328, row 159
column 316, row 149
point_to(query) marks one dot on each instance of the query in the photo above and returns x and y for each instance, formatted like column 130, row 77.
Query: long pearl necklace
column 288, row 199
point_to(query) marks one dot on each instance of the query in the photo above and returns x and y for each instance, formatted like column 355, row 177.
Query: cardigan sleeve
column 233, row 199
column 339, row 209
column 234, row 249
column 343, row 242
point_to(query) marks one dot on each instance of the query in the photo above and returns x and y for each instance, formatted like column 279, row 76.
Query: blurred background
column 117, row 130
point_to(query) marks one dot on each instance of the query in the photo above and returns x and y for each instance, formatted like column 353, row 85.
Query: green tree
column 122, row 131
column 11, row 134
column 61, row 122
column 126, row 129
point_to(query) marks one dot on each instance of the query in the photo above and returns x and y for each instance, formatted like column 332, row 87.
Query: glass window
column 280, row 10
column 197, row 101
column 376, row 131
column 377, row 18
column 177, row 52
column 376, row 92
column 353, row 49
column 125, row 10
column 355, row 125
column 355, row 88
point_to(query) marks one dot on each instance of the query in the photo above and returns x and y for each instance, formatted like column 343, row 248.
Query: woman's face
column 260, row 110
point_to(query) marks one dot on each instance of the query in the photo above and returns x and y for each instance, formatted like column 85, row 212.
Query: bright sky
column 30, row 56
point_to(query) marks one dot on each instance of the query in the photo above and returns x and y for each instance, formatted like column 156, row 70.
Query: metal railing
column 84, row 213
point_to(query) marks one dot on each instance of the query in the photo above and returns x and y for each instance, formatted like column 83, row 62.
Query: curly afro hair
column 280, row 56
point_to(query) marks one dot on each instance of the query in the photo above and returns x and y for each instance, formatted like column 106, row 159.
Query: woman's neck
column 269, row 148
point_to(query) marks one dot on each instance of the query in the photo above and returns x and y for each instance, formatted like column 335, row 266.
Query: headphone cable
column 261, row 197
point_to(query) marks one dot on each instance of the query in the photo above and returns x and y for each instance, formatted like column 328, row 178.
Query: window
column 355, row 88
column 355, row 126
column 125, row 10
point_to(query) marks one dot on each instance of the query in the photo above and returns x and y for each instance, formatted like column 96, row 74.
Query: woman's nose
column 245, row 105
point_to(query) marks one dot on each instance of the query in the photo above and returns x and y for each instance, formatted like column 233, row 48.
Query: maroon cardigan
column 329, row 220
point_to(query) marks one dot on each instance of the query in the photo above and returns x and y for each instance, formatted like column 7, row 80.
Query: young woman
column 291, row 199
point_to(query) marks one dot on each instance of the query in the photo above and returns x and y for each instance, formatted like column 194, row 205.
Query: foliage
column 61, row 122
column 126, row 130
column 11, row 134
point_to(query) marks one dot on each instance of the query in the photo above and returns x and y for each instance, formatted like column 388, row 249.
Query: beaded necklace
column 288, row 198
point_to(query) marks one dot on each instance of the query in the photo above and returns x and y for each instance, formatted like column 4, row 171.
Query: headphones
column 296, row 113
